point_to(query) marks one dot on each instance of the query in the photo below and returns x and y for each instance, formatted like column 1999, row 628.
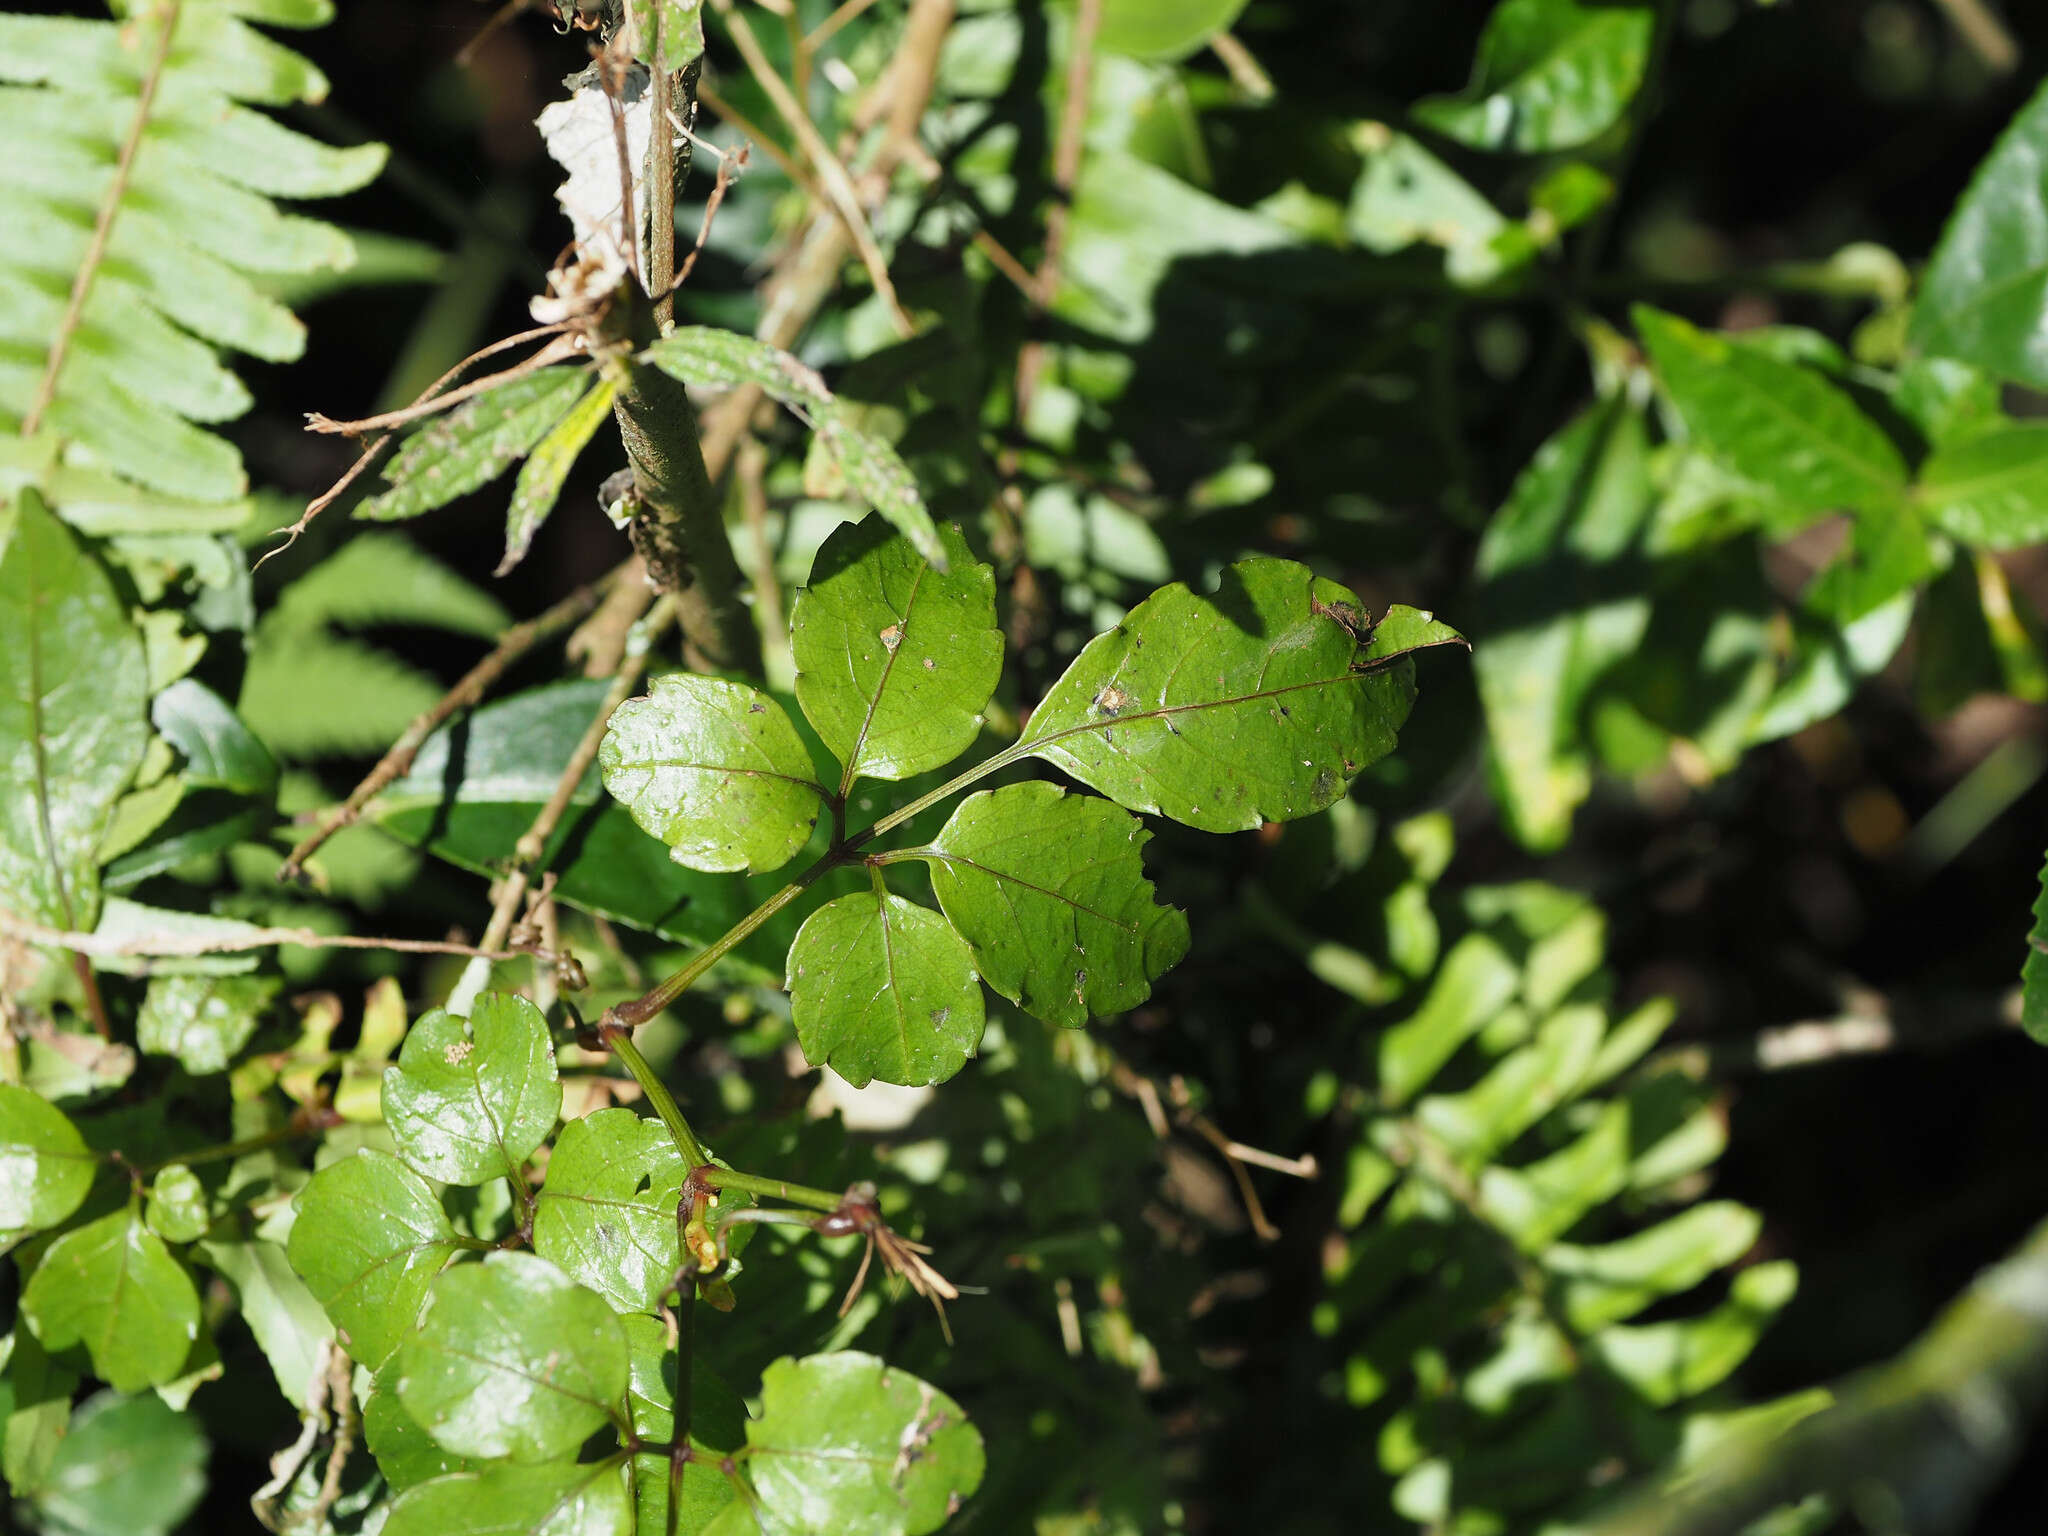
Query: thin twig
column 609, row 73
column 1986, row 35
column 747, row 128
column 729, row 168
column 559, row 350
column 831, row 24
column 466, row 54
column 369, row 455
column 182, row 946
column 1066, row 170
column 103, row 226
column 751, row 471
column 1245, row 71
column 838, row 185
column 512, row 645
column 532, row 845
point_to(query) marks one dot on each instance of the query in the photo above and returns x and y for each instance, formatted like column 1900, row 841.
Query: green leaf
column 406, row 1454
column 470, row 1100
column 895, row 661
column 1614, row 1281
column 470, row 446
column 204, row 1021
column 1551, row 74
column 1991, row 489
column 559, row 1499
column 718, row 1422
column 178, row 1210
column 1163, row 29
column 709, row 358
column 1406, row 196
column 715, row 770
column 1049, row 890
column 73, row 728
column 1476, row 981
column 1665, row 1362
column 1559, row 603
column 844, row 1443
column 540, row 478
column 1984, row 297
column 382, row 578
column 1259, row 702
column 45, row 1169
column 112, row 1286
column 607, row 1215
column 129, row 1467
column 513, row 1359
column 2033, row 973
column 220, row 751
column 368, row 1241
column 1776, row 423
column 882, row 988
column 285, row 1316
column 35, row 1411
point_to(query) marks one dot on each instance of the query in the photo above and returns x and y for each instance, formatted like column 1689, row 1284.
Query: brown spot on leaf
column 892, row 637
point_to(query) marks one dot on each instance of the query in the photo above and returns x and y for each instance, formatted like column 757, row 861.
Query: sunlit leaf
column 113, row 1286
column 1049, row 891
column 607, row 1215
column 471, row 1099
column 555, row 1499
column 369, row 1239
column 45, row 1169
column 1550, row 75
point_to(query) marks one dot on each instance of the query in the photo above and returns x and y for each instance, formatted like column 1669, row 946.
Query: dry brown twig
column 183, row 946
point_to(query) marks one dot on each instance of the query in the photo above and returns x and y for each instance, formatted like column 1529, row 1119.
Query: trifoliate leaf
column 895, row 661
column 1258, row 702
column 882, row 988
column 113, row 1286
column 715, row 770
column 513, row 1359
column 1049, row 890
column 471, row 1099
column 369, row 1239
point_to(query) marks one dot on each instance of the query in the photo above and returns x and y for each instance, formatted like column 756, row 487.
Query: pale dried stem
column 1246, row 73
column 512, row 645
column 561, row 349
column 850, row 11
column 185, row 946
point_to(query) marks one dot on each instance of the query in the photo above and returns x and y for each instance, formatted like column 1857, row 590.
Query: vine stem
column 658, row 1095
column 774, row 1189
column 679, row 1446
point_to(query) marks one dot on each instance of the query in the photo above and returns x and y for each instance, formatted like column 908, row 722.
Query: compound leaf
column 369, row 1239
column 73, row 724
column 473, row 444
column 895, row 660
column 844, row 1443
column 113, row 1286
column 1049, row 891
column 45, row 1169
column 715, row 770
column 1258, row 702
column 1984, row 298
column 471, row 1099
column 882, row 988
column 1551, row 74
column 607, row 1215
column 555, row 1499
column 513, row 1359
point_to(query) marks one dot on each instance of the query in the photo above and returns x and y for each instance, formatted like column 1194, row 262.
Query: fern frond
column 324, row 696
column 380, row 578
column 136, row 216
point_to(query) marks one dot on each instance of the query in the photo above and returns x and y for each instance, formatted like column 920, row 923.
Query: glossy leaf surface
column 471, row 1099
column 715, row 770
column 113, row 1286
column 554, row 1499
column 204, row 1021
column 1258, row 702
column 845, row 1443
column 1984, row 298
column 607, row 1215
column 513, row 1359
column 369, row 1239
column 895, row 661
column 1990, row 489
column 1049, row 890
column 73, row 724
column 1551, row 74
column 45, row 1169
column 881, row 988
